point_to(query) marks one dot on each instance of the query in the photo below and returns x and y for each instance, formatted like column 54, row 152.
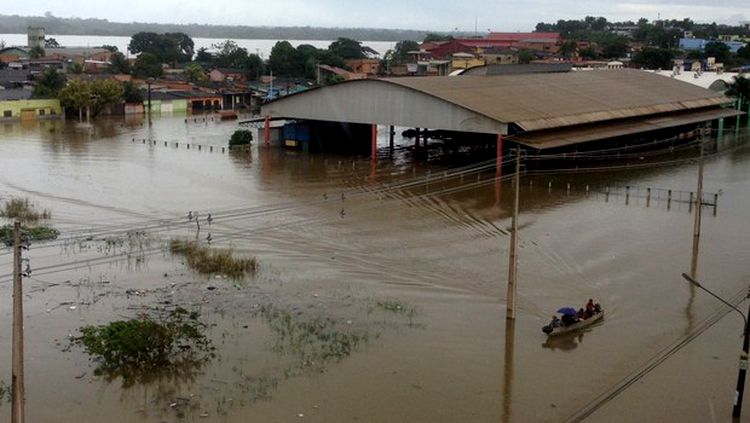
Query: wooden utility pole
column 512, row 266
column 698, row 207
column 17, row 388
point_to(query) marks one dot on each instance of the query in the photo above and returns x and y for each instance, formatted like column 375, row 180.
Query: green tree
column 285, row 60
column 48, row 83
column 230, row 55
column 203, row 56
column 568, row 49
column 739, row 88
column 37, row 52
column 654, row 58
column 614, row 48
column 346, row 48
column 254, row 66
column 402, row 49
column 104, row 94
column 76, row 95
column 719, row 51
column 110, row 48
column 131, row 93
column 165, row 48
column 118, row 63
column 588, row 53
column 184, row 43
column 195, row 73
column 525, row 56
column 75, row 68
column 147, row 65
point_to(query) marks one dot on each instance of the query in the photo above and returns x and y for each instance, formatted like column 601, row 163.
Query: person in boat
column 597, row 308
column 581, row 314
column 555, row 323
column 569, row 319
column 590, row 308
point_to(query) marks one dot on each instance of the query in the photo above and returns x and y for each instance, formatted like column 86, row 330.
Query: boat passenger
column 581, row 314
column 590, row 308
column 569, row 319
column 597, row 308
column 555, row 323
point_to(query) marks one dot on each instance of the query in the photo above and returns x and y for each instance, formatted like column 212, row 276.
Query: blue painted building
column 699, row 44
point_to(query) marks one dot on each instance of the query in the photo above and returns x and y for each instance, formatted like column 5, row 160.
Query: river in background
column 339, row 239
column 259, row 47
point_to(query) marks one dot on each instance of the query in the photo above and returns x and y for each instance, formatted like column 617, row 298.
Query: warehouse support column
column 416, row 140
column 499, row 162
column 391, row 133
column 374, row 143
column 268, row 131
column 720, row 135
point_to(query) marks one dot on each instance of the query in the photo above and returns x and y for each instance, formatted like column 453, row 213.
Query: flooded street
column 406, row 263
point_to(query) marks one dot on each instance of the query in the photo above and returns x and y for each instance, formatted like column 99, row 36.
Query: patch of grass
column 143, row 349
column 397, row 307
column 208, row 261
column 22, row 210
column 33, row 233
column 315, row 341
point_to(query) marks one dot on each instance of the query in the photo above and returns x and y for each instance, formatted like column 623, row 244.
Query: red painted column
column 499, row 155
column 374, row 142
column 268, row 131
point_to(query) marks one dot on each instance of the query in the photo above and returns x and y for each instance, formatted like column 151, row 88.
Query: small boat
column 227, row 114
column 583, row 323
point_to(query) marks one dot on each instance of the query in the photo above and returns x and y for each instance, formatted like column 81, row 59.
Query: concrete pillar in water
column 267, row 132
column 720, row 135
column 739, row 109
column 499, row 160
column 416, row 139
column 374, row 143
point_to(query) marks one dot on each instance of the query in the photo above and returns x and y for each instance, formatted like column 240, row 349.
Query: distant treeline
column 14, row 24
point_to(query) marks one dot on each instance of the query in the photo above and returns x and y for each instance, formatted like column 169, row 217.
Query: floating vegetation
column 21, row 209
column 209, row 261
column 144, row 349
column 314, row 341
column 34, row 233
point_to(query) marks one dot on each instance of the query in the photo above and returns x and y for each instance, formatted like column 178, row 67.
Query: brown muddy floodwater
column 405, row 263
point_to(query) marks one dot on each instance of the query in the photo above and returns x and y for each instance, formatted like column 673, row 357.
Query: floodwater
column 338, row 240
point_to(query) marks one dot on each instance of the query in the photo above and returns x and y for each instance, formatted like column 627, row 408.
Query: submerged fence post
column 648, row 197
column 669, row 199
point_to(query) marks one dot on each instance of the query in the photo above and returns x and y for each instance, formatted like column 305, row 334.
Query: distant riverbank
column 102, row 27
column 260, row 47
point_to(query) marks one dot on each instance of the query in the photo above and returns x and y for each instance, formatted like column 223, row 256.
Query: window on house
column 7, row 113
column 41, row 112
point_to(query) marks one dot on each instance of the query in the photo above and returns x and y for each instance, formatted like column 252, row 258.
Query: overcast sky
column 435, row 15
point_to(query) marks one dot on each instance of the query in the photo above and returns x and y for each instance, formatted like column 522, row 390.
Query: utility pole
column 17, row 388
column 740, row 392
column 698, row 207
column 512, row 265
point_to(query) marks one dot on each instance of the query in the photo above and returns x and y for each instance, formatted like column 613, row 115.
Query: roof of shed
column 552, row 100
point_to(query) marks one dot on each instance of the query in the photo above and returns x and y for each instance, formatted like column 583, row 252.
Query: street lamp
column 737, row 409
column 149, row 81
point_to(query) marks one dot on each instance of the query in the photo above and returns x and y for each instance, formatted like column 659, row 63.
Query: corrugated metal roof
column 554, row 100
column 575, row 135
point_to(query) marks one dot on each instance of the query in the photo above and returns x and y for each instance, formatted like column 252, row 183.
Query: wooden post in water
column 697, row 224
column 391, row 133
column 17, row 379
column 512, row 262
